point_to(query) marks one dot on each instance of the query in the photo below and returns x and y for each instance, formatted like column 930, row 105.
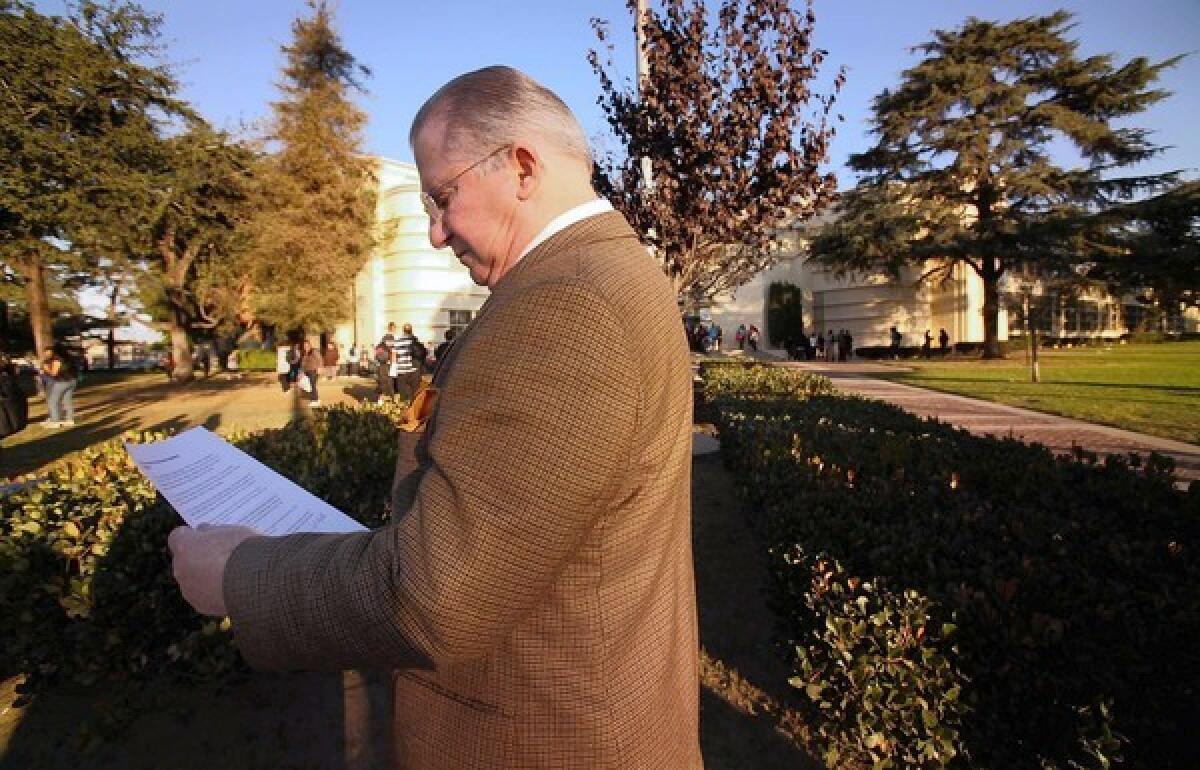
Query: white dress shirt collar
column 565, row 220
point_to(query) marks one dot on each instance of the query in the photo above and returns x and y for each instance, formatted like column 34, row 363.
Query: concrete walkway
column 1060, row 434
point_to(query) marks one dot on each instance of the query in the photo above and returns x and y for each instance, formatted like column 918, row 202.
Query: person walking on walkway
column 383, row 370
column 331, row 360
column 283, row 367
column 532, row 592
column 409, row 356
column 62, row 377
column 311, row 363
column 440, row 351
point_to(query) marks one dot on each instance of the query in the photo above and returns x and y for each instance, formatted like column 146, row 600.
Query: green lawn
column 1150, row 388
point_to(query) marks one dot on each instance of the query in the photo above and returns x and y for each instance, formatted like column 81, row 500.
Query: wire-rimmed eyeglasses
column 436, row 201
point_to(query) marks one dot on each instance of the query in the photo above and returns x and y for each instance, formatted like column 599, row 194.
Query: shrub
column 1051, row 604
column 86, row 592
column 256, row 360
column 728, row 384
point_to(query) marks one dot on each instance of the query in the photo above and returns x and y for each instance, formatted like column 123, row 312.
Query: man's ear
column 530, row 171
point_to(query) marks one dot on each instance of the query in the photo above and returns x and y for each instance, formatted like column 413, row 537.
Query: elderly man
column 533, row 593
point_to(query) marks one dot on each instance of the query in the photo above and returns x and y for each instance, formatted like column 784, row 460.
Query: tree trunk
column 181, row 352
column 39, row 304
column 181, row 345
column 991, row 309
column 112, row 331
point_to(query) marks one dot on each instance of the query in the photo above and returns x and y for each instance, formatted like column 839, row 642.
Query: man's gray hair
column 494, row 106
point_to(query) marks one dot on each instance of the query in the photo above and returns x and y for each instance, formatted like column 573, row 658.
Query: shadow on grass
column 137, row 402
column 54, row 444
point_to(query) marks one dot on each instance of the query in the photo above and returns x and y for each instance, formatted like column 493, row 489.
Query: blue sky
column 226, row 53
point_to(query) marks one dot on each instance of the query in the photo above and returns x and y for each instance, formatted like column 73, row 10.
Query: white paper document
column 209, row 481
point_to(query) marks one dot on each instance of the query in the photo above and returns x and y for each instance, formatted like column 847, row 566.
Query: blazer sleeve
column 528, row 452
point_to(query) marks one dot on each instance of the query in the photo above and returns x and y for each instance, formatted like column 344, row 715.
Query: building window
column 1135, row 317
column 1041, row 314
column 1089, row 316
column 1070, row 317
column 459, row 320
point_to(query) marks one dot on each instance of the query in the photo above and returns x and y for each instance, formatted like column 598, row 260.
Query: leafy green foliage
column 961, row 601
column 79, row 115
column 192, row 235
column 86, row 592
column 1152, row 245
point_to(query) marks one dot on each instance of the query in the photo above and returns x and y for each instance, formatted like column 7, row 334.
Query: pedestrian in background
column 62, row 377
column 283, row 367
column 331, row 360
column 310, row 365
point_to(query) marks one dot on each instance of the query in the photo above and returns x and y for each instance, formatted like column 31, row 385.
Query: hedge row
column 957, row 601
column 86, row 592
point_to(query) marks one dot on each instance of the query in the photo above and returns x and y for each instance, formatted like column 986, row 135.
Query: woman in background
column 61, row 378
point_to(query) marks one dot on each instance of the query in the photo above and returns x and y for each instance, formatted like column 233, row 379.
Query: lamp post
column 1031, row 336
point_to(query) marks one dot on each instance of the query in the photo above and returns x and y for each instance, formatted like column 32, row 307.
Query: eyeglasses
column 436, row 201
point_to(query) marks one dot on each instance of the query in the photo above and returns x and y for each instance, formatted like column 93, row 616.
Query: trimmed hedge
column 956, row 601
column 256, row 360
column 735, row 382
column 86, row 592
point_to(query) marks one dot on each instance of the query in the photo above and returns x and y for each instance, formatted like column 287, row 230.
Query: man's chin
column 479, row 276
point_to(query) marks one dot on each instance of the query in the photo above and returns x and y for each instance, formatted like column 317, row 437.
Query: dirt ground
column 340, row 721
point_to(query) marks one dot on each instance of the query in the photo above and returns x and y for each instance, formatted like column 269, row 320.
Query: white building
column 868, row 306
column 406, row 280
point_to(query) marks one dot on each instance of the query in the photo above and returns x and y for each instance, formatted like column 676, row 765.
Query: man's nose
column 438, row 237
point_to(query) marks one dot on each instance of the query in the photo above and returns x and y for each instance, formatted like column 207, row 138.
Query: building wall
column 866, row 305
column 406, row 280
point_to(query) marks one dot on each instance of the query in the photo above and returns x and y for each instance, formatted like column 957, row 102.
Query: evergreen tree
column 315, row 226
column 1153, row 248
column 77, row 114
column 961, row 172
column 194, row 224
column 722, row 119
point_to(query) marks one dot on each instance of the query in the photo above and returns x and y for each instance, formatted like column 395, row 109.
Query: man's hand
column 198, row 559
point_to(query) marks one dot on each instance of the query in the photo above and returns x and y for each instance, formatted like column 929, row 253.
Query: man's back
column 600, row 670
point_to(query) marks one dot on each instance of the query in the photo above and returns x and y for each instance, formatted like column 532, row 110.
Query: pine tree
column 315, row 227
column 962, row 172
column 1151, row 248
column 722, row 119
column 77, row 112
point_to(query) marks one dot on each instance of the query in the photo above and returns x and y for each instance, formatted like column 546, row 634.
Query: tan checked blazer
column 534, row 593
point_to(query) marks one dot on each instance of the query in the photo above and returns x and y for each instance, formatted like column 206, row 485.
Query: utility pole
column 1031, row 339
column 643, row 74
